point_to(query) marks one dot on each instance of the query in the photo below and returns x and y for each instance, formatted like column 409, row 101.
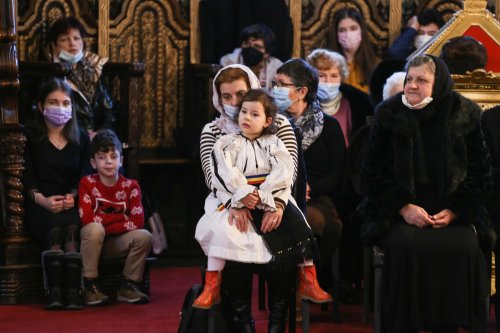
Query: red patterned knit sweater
column 118, row 208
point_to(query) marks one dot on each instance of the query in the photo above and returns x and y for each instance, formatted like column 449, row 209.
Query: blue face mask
column 281, row 98
column 327, row 91
column 231, row 111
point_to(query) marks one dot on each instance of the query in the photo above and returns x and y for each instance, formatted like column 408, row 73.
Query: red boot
column 211, row 291
column 309, row 288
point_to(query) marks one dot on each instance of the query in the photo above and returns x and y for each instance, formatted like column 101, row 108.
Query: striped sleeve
column 209, row 135
column 286, row 134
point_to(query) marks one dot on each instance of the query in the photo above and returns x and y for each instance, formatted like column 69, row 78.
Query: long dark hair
column 364, row 55
column 70, row 131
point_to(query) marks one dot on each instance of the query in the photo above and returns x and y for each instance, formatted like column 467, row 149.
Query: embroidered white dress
column 237, row 164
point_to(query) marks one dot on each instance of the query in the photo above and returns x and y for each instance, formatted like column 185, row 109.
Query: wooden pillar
column 20, row 277
column 194, row 27
column 395, row 14
column 296, row 17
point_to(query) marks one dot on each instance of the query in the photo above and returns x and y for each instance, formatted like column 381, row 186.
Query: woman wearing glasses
column 323, row 144
column 230, row 85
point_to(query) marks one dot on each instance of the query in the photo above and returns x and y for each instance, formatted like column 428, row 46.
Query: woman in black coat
column 427, row 175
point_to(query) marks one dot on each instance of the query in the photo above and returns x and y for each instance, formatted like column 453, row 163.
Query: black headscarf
column 432, row 136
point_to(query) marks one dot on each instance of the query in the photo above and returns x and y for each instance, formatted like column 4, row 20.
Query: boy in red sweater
column 112, row 222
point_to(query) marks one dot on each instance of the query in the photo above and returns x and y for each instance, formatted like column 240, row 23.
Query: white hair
column 332, row 58
column 396, row 80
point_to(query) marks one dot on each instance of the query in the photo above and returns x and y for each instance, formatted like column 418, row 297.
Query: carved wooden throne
column 482, row 86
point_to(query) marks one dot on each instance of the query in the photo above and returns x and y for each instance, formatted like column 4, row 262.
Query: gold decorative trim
column 194, row 27
column 395, row 15
column 474, row 6
column 460, row 22
column 296, row 16
column 103, row 34
column 480, row 86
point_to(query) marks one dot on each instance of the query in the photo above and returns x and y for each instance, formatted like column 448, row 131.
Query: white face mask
column 417, row 106
column 327, row 91
column 70, row 57
column 420, row 40
column 231, row 111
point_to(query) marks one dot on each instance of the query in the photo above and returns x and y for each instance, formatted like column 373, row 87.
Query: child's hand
column 240, row 217
column 53, row 203
column 69, row 201
column 251, row 200
column 271, row 221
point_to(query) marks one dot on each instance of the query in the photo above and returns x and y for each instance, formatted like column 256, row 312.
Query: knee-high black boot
column 237, row 287
column 73, row 281
column 53, row 278
column 280, row 284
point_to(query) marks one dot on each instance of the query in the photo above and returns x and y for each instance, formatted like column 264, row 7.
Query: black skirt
column 291, row 243
column 41, row 221
column 433, row 277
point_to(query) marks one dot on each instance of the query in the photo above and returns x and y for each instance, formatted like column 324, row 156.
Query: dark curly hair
column 104, row 141
column 62, row 26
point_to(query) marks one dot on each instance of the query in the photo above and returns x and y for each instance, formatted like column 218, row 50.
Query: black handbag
column 195, row 320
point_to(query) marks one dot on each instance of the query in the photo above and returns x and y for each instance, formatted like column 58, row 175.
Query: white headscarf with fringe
column 225, row 123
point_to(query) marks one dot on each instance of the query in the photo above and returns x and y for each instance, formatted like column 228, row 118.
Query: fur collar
column 394, row 116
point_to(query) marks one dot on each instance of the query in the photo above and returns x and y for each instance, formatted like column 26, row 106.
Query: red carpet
column 168, row 287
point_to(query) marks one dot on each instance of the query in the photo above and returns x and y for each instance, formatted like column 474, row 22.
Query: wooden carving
column 12, row 145
column 153, row 32
column 36, row 21
column 12, row 141
column 445, row 7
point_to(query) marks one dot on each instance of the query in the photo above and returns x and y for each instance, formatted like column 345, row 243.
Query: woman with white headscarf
column 230, row 85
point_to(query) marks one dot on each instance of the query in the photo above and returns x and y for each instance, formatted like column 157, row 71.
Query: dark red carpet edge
column 168, row 287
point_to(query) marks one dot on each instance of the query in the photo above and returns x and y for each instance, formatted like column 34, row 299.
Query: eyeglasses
column 275, row 84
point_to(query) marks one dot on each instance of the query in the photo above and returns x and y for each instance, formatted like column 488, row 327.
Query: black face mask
column 251, row 56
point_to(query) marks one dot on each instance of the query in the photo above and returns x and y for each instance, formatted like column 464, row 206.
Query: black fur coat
column 391, row 167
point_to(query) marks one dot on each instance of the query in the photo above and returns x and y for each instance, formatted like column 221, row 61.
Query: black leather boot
column 280, row 284
column 237, row 289
column 73, row 281
column 52, row 262
column 278, row 310
column 243, row 319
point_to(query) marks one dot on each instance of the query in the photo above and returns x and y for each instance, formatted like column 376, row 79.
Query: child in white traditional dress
column 252, row 170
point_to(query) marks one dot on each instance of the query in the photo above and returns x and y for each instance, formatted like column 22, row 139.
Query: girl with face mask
column 92, row 103
column 350, row 39
column 57, row 155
